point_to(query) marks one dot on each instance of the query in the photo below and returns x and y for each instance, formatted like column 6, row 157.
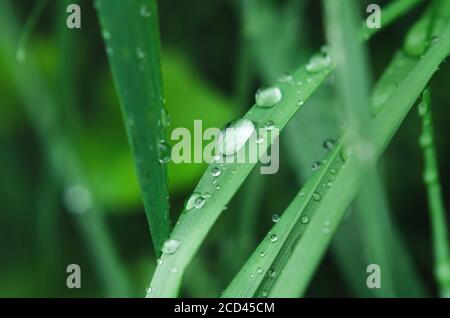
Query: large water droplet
column 268, row 97
column 164, row 151
column 234, row 136
column 170, row 246
column 318, row 63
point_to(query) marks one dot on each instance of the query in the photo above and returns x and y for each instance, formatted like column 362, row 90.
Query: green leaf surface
column 134, row 55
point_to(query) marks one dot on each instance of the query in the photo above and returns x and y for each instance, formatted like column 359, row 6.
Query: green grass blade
column 435, row 200
column 134, row 55
column 305, row 245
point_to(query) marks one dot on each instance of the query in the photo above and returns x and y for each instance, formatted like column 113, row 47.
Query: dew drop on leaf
column 304, row 219
column 170, row 246
column 215, row 172
column 318, row 63
column 268, row 97
column 234, row 136
column 164, row 151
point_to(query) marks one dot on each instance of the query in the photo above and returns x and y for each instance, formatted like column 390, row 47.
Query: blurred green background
column 59, row 102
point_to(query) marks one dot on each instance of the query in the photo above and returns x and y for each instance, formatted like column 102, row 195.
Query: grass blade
column 134, row 55
column 435, row 200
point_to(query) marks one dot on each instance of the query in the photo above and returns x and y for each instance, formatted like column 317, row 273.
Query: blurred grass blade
column 353, row 86
column 134, row 55
column 60, row 155
column 33, row 19
column 306, row 227
column 435, row 200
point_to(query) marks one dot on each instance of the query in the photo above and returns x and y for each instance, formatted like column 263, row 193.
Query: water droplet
column 333, row 171
column 170, row 246
column 271, row 273
column 273, row 238
column 206, row 195
column 106, row 35
column 77, row 199
column 304, row 219
column 301, row 194
column 328, row 144
column 174, row 270
column 316, row 196
column 269, row 125
column 318, row 63
column 234, row 136
column 159, row 261
column 164, row 151
column 196, row 200
column 199, row 202
column 300, row 103
column 217, row 187
column 268, row 97
column 285, row 77
column 315, row 166
column 149, row 290
column 144, row 11
column 140, row 53
column 329, row 183
column 275, row 218
column 215, row 172
column 262, row 254
column 165, row 117
column 259, row 270
column 264, row 294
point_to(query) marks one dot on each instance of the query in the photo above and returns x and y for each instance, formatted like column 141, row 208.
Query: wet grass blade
column 134, row 55
column 301, row 236
column 435, row 201
column 192, row 228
